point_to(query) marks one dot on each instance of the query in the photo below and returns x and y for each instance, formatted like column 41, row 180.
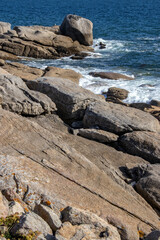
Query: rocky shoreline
column 73, row 165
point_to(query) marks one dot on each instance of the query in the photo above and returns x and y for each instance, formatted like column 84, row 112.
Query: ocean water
column 130, row 29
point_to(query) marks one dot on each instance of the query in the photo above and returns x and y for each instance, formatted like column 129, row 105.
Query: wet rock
column 118, row 119
column 4, row 27
column 70, row 99
column 144, row 144
column 78, row 28
column 79, row 56
column 49, row 216
column 110, row 75
column 155, row 103
column 97, row 135
column 62, row 73
column 19, row 99
column 102, row 45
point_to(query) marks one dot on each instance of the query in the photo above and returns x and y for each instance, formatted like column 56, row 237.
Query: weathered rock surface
column 15, row 207
column 49, row 216
column 4, row 27
column 3, row 72
column 148, row 184
column 23, row 71
column 59, row 163
column 143, row 144
column 17, row 98
column 91, row 225
column 118, row 119
column 111, row 75
column 97, row 135
column 70, row 99
column 3, row 207
column 32, row 221
column 62, row 73
column 78, row 28
column 7, row 56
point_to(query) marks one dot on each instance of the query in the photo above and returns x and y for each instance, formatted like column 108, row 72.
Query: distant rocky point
column 75, row 35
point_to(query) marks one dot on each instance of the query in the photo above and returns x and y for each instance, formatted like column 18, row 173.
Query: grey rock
column 118, row 119
column 70, row 99
column 145, row 144
column 149, row 184
column 78, row 28
column 32, row 221
column 155, row 235
column 18, row 98
column 97, row 135
column 4, row 27
column 155, row 103
column 15, row 207
column 49, row 216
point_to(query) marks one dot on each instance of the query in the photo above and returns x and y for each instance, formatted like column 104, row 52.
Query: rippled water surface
column 130, row 30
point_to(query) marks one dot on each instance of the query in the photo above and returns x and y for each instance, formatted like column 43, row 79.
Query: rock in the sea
column 49, row 216
column 70, row 99
column 4, row 27
column 62, row 73
column 118, row 119
column 97, row 135
column 155, row 103
column 142, row 143
column 117, row 93
column 19, row 99
column 111, row 75
column 32, row 222
column 78, row 28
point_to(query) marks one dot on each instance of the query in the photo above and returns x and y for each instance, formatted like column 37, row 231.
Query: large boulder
column 16, row 97
column 78, row 28
column 111, row 75
column 70, row 99
column 4, row 27
column 118, row 119
column 143, row 144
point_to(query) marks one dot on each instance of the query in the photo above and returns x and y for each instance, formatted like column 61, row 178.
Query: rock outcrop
column 4, row 27
column 78, row 28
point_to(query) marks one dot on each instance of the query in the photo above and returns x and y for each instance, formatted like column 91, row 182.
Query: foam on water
column 115, row 57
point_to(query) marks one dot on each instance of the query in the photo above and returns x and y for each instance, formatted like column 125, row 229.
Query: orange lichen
column 48, row 202
column 141, row 234
column 61, row 209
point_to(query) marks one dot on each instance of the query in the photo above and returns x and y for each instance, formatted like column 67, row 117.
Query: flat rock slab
column 111, row 75
column 97, row 135
column 143, row 144
column 70, row 99
column 62, row 73
column 118, row 119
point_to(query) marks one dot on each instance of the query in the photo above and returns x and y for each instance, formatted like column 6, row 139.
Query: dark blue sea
column 130, row 29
